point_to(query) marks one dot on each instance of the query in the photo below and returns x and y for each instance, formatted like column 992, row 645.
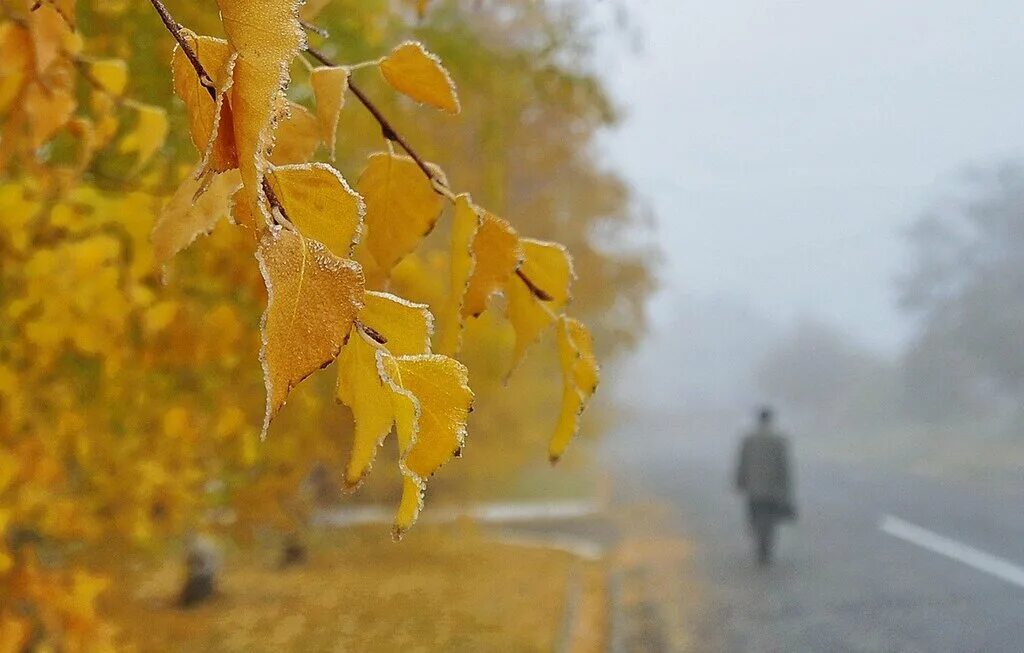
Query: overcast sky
column 783, row 144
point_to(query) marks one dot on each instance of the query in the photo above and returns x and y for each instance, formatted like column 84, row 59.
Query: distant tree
column 966, row 287
column 825, row 379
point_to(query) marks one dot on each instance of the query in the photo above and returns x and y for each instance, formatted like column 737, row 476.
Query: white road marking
column 962, row 553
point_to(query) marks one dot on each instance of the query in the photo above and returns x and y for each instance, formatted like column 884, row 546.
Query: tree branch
column 390, row 134
column 175, row 29
column 385, row 126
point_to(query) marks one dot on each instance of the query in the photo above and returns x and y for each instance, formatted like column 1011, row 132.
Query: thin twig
column 175, row 29
column 393, row 136
column 387, row 130
column 316, row 29
column 385, row 126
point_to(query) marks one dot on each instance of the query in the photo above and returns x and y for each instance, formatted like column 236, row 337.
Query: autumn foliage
column 86, row 324
column 321, row 246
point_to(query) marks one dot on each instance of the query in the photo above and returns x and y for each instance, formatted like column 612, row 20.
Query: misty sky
column 782, row 145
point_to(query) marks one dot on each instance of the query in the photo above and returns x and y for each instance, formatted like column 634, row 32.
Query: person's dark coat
column 763, row 471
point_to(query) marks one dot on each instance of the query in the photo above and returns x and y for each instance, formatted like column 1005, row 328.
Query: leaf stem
column 175, row 29
column 537, row 291
column 282, row 217
column 372, row 333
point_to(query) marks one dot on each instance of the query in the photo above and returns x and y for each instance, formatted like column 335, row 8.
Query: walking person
column 764, row 476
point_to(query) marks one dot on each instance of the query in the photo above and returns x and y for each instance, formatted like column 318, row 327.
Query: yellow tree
column 90, row 445
column 306, row 221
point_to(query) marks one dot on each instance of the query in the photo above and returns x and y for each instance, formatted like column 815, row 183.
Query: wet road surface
column 880, row 560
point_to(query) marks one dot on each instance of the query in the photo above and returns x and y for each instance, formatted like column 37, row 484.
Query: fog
column 794, row 156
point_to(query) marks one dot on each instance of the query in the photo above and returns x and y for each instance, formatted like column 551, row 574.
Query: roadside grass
column 661, row 602
column 441, row 589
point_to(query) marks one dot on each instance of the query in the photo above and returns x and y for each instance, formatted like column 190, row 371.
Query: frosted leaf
column 191, row 213
column 538, row 293
column 401, row 207
column 412, row 70
column 209, row 119
column 430, row 429
column 405, row 326
column 497, row 254
column 465, row 224
column 297, row 135
column 580, row 375
column 312, row 301
column 320, row 203
column 267, row 36
column 330, row 83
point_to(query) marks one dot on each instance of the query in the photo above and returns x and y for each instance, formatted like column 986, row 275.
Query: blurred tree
column 966, row 289
column 128, row 411
column 827, row 382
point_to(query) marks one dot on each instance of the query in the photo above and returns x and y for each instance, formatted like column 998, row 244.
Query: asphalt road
column 947, row 577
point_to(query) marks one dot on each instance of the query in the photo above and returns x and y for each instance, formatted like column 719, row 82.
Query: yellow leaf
column 243, row 214
column 10, row 467
column 191, row 212
column 548, row 267
column 14, row 633
column 15, row 62
column 330, row 83
column 111, row 74
column 158, row 317
column 425, row 396
column 148, row 135
column 405, row 326
column 580, row 375
column 85, row 587
column 401, row 207
column 312, row 300
column 267, row 35
column 48, row 109
column 249, row 450
column 319, row 202
column 210, row 121
column 66, row 9
column 104, row 111
column 465, row 224
column 361, row 388
column 431, row 429
column 298, row 135
column 52, row 37
column 411, row 70
column 497, row 254
column 85, row 133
